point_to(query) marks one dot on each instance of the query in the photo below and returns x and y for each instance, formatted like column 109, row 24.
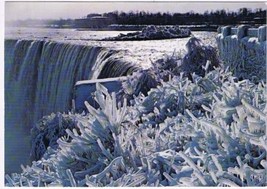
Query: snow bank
column 243, row 49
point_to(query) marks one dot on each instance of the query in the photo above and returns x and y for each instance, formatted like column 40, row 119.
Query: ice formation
column 47, row 131
column 184, row 133
column 245, row 56
column 208, row 129
column 153, row 33
column 194, row 61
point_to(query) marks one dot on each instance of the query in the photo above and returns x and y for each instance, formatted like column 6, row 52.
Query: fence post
column 226, row 30
column 242, row 31
column 262, row 34
column 219, row 29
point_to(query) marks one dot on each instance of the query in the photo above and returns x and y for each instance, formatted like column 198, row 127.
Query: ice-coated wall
column 243, row 49
column 84, row 91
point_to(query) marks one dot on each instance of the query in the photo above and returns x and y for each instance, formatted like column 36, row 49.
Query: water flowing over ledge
column 40, row 77
column 47, row 71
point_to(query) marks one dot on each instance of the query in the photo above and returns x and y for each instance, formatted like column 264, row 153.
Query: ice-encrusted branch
column 71, row 178
column 196, row 169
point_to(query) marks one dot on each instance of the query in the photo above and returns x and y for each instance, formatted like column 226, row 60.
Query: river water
column 140, row 52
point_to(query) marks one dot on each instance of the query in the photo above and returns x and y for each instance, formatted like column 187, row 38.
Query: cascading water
column 39, row 80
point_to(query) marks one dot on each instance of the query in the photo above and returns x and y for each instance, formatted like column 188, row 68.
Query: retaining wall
column 243, row 49
column 83, row 91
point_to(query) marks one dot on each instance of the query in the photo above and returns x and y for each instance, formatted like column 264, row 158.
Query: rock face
column 153, row 33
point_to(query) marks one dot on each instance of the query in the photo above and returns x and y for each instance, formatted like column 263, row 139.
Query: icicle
column 254, row 110
column 170, row 179
column 137, row 182
column 216, row 161
column 71, row 178
column 9, row 179
column 227, row 182
column 193, row 166
column 104, row 151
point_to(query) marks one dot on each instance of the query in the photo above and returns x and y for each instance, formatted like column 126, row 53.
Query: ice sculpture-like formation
column 153, row 33
column 204, row 139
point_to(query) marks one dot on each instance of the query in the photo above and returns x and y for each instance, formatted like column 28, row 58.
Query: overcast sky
column 56, row 10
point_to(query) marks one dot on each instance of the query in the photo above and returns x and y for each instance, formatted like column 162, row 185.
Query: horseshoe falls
column 39, row 79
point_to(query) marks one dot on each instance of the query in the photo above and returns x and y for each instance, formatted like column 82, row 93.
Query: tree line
column 218, row 17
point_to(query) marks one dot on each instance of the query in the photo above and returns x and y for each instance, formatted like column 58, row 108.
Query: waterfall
column 40, row 77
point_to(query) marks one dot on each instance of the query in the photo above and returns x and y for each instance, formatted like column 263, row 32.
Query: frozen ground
column 141, row 52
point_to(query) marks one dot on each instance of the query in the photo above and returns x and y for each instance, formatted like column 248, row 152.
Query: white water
column 40, row 75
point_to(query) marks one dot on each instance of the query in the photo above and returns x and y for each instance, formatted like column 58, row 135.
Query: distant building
column 260, row 20
column 93, row 15
column 93, row 21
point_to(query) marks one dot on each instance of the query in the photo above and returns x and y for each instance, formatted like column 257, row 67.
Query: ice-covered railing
column 243, row 49
column 244, row 31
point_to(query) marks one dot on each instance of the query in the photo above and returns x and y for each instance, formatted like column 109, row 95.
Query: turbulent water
column 42, row 67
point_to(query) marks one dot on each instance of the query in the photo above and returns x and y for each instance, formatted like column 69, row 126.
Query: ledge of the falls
column 40, row 79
